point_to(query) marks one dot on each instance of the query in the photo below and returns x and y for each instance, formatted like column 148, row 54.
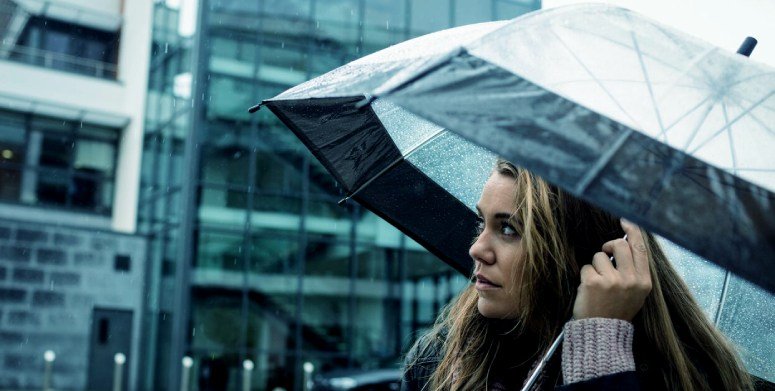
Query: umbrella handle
column 557, row 341
column 747, row 47
column 541, row 364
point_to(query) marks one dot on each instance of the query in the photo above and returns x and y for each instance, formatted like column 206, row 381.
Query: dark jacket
column 422, row 360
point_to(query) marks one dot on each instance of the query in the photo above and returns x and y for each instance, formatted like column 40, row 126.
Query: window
column 48, row 161
column 68, row 47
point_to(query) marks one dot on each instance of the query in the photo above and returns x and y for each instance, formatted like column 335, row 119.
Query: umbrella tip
column 367, row 100
column 255, row 108
column 747, row 47
column 343, row 201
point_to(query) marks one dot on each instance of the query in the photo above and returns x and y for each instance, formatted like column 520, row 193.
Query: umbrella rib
column 731, row 141
column 754, row 169
column 614, row 80
column 391, row 166
column 686, row 70
column 757, row 120
column 623, row 45
column 647, row 80
column 729, row 124
column 595, row 78
column 748, row 78
column 699, row 125
column 684, row 115
column 763, row 107
column 602, row 162
column 723, row 297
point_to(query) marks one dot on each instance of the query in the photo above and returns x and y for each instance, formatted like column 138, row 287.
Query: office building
column 73, row 86
column 250, row 255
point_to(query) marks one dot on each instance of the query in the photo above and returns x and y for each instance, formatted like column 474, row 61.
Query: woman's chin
column 493, row 311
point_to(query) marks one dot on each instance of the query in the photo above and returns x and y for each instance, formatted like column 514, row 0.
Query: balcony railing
column 63, row 62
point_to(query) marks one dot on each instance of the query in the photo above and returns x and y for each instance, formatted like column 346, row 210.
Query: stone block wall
column 51, row 279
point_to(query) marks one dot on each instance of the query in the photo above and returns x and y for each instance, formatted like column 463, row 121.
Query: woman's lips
column 483, row 283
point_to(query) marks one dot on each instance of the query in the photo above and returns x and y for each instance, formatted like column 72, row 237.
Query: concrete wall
column 51, row 279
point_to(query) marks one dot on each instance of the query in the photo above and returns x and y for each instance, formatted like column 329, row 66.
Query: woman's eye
column 479, row 226
column 508, row 230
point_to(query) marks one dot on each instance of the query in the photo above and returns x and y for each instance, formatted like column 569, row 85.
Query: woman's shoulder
column 427, row 348
column 421, row 360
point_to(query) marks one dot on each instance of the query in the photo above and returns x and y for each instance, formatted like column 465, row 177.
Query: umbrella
column 635, row 117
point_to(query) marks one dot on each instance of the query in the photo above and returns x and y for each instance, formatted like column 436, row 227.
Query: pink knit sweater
column 596, row 347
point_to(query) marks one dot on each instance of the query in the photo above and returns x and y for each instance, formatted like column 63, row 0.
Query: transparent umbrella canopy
column 642, row 120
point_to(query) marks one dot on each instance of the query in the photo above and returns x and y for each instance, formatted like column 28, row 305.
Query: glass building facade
column 250, row 255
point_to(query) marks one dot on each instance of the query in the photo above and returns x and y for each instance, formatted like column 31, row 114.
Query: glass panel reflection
column 326, row 257
column 273, row 254
column 219, row 251
column 225, row 164
column 223, row 206
column 216, row 319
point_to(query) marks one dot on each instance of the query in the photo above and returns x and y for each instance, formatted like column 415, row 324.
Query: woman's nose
column 481, row 251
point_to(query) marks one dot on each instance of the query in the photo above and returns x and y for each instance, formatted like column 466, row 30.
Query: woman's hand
column 615, row 292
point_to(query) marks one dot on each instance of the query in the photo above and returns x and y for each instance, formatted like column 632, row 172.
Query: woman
column 542, row 257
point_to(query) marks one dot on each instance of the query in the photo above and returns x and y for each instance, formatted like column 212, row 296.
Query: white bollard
column 185, row 375
column 247, row 374
column 118, row 371
column 49, row 356
column 308, row 369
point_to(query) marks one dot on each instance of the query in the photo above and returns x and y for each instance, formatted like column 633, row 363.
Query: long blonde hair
column 560, row 233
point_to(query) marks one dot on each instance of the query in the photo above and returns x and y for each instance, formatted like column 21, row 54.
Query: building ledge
column 53, row 216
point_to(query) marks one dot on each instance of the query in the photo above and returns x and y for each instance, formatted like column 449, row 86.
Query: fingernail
column 626, row 222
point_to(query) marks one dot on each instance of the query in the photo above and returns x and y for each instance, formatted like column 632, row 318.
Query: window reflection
column 68, row 47
column 49, row 161
column 219, row 251
column 273, row 254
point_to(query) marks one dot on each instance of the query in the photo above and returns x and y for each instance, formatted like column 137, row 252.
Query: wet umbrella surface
column 642, row 120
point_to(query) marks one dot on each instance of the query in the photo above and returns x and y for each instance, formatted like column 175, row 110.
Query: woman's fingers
column 640, row 257
column 620, row 249
column 615, row 292
column 602, row 264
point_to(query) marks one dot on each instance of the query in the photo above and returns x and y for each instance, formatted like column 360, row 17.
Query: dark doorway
column 111, row 333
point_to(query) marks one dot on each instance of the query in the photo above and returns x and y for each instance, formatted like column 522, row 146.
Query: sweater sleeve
column 596, row 347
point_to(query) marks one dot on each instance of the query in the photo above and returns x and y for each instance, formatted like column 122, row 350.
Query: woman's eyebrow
column 497, row 216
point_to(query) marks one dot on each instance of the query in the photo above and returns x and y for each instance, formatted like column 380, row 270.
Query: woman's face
column 497, row 249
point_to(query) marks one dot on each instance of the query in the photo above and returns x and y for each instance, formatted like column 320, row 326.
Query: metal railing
column 63, row 62
column 14, row 18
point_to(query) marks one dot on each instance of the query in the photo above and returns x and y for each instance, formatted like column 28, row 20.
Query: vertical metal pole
column 401, row 296
column 185, row 374
column 118, row 371
column 415, row 304
column 308, row 369
column 351, row 302
column 181, row 299
column 361, row 27
column 300, row 267
column 436, row 281
column 247, row 374
column 451, row 20
column 301, row 257
column 407, row 19
column 49, row 356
